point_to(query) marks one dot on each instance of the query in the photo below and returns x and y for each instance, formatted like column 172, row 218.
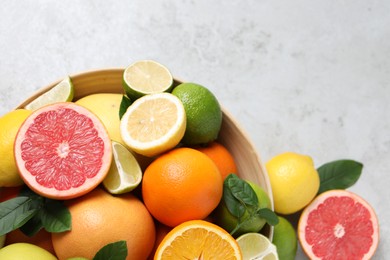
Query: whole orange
column 99, row 218
column 182, row 184
column 221, row 156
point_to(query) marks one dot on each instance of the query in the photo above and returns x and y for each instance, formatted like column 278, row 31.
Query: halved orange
column 198, row 239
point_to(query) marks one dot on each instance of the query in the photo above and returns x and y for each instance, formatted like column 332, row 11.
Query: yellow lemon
column 106, row 107
column 294, row 181
column 10, row 124
column 25, row 251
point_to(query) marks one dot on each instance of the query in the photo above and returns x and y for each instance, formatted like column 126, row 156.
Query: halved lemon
column 153, row 124
column 198, row 239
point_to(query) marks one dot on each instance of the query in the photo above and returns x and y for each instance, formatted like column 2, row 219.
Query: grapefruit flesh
column 338, row 224
column 62, row 151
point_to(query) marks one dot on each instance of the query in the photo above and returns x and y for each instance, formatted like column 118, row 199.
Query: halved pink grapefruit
column 338, row 224
column 62, row 151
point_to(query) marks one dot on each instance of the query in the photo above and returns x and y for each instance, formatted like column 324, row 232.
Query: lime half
column 256, row 246
column 61, row 92
column 146, row 77
column 125, row 173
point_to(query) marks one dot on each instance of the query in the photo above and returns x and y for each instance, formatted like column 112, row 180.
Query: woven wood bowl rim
column 109, row 80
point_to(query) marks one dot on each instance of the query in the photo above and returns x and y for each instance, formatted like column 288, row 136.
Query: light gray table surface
column 306, row 76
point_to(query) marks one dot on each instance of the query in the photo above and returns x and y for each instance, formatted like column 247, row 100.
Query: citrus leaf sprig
column 240, row 197
column 31, row 212
column 339, row 174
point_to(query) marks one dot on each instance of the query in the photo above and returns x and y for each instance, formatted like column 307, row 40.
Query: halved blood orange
column 62, row 151
column 338, row 224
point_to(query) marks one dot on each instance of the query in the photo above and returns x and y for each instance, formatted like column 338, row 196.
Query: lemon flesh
column 256, row 246
column 125, row 173
column 62, row 92
column 146, row 77
column 153, row 124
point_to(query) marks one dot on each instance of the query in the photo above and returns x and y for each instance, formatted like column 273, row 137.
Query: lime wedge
column 256, row 246
column 61, row 92
column 125, row 174
column 146, row 77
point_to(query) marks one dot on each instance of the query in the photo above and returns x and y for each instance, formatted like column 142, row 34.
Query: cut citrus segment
column 125, row 173
column 198, row 239
column 338, row 224
column 62, row 151
column 256, row 246
column 153, row 124
column 62, row 92
column 146, row 77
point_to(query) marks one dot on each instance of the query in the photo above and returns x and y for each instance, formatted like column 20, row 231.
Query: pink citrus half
column 338, row 224
column 62, row 151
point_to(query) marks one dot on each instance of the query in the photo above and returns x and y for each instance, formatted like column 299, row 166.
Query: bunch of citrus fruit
column 143, row 175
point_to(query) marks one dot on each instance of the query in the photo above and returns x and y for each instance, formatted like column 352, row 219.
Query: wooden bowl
column 231, row 135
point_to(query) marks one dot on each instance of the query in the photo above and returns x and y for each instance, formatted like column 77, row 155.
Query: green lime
column 146, row 77
column 125, row 173
column 62, row 92
column 227, row 221
column 285, row 239
column 256, row 246
column 204, row 114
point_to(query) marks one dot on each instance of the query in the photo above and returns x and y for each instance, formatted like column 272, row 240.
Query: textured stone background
column 306, row 76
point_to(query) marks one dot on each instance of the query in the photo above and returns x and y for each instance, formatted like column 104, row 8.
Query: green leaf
column 242, row 191
column 125, row 103
column 55, row 216
column 112, row 251
column 14, row 213
column 32, row 226
column 268, row 215
column 340, row 174
column 234, row 206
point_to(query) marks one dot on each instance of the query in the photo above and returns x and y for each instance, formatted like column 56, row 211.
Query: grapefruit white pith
column 338, row 224
column 62, row 151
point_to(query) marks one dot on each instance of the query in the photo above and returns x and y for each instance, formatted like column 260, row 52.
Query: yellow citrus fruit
column 198, row 239
column 203, row 112
column 294, row 181
column 153, row 124
column 99, row 218
column 180, row 185
column 106, row 107
column 10, row 124
column 25, row 251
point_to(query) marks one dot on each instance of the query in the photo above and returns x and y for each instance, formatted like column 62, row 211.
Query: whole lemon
column 25, row 251
column 10, row 124
column 294, row 181
column 106, row 107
